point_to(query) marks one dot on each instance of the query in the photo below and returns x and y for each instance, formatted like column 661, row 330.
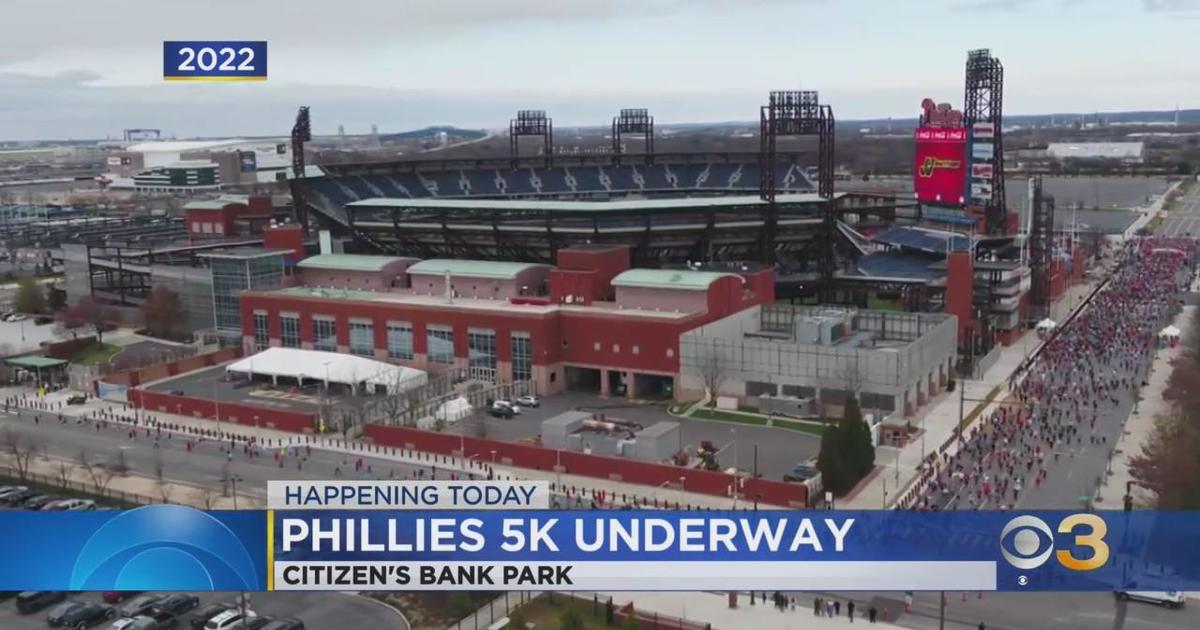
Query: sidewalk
column 271, row 438
column 898, row 467
column 1140, row 424
column 713, row 608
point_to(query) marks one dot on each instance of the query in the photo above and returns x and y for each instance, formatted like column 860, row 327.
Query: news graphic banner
column 940, row 163
column 357, row 535
column 215, row 61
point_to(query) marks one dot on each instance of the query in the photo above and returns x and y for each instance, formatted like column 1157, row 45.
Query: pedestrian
column 837, row 608
column 871, row 614
column 850, row 610
column 828, row 608
column 816, row 606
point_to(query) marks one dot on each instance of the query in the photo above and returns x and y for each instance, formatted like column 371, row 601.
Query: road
column 1184, row 218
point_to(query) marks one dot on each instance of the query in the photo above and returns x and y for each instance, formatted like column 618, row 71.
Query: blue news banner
column 215, row 60
column 179, row 548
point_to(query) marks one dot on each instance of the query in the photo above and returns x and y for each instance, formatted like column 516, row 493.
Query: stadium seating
column 334, row 192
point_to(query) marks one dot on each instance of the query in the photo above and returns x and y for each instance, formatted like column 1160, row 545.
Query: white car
column 1169, row 599
column 507, row 403
column 16, row 317
column 228, row 619
column 529, row 400
column 77, row 505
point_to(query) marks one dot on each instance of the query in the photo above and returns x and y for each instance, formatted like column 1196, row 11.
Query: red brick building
column 593, row 323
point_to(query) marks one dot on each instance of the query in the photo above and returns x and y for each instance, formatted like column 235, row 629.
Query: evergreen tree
column 571, row 619
column 857, row 439
column 516, row 621
column 30, row 298
column 831, row 460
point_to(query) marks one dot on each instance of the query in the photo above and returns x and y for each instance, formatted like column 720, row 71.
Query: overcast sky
column 75, row 69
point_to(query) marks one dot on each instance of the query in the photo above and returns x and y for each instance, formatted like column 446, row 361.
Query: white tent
column 1169, row 331
column 453, row 410
column 329, row 367
column 1047, row 324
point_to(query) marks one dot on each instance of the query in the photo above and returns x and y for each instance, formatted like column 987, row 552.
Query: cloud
column 1171, row 6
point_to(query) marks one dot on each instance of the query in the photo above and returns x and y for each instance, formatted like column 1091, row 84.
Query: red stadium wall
column 133, row 378
column 245, row 415
column 582, row 464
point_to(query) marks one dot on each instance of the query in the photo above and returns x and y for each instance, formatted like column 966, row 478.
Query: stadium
column 673, row 209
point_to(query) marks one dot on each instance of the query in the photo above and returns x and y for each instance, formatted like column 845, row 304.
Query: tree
column 30, row 298
column 571, row 619
column 857, row 436
column 459, row 606
column 87, row 313
column 164, row 313
column 1169, row 464
column 516, row 621
column 56, row 298
column 22, row 448
column 831, row 460
column 712, row 373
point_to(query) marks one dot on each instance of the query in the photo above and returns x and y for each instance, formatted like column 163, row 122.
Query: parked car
column 206, row 612
column 114, row 597
column 253, row 623
column 507, row 403
column 33, row 601
column 76, row 505
column 529, row 400
column 16, row 317
column 36, row 502
column 142, row 622
column 139, row 605
column 501, row 411
column 177, row 604
column 7, row 490
column 228, row 620
column 1167, row 599
column 176, row 392
column 84, row 615
column 284, row 624
column 19, row 497
column 56, row 614
column 77, row 399
column 801, row 472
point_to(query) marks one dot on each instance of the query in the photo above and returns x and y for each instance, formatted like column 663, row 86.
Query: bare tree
column 164, row 488
column 119, row 465
column 102, row 477
column 22, row 449
column 208, row 497
column 63, row 471
column 712, row 373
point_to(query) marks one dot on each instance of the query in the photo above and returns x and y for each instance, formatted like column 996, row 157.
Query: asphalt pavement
column 1184, row 218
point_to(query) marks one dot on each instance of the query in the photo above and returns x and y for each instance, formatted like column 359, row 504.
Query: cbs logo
column 1027, row 542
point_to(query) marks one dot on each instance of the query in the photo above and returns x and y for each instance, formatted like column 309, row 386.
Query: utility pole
column 942, row 611
column 962, row 400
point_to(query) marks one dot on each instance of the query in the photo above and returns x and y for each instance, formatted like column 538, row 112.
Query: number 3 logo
column 1093, row 539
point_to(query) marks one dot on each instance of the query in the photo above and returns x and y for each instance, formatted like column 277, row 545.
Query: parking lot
column 778, row 449
column 211, row 383
column 318, row 611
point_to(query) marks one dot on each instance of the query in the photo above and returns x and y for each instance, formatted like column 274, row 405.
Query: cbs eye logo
column 1027, row 542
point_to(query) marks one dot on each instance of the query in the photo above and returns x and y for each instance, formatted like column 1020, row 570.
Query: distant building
column 180, row 166
column 1123, row 151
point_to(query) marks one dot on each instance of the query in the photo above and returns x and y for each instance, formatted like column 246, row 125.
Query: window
column 481, row 349
column 758, row 388
column 439, row 341
column 324, row 334
column 262, row 335
column 289, row 331
column 522, row 356
column 635, row 350
column 362, row 337
column 400, row 340
column 616, row 348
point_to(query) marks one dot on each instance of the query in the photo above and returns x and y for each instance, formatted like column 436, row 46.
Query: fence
column 293, row 421
column 133, row 378
column 494, row 614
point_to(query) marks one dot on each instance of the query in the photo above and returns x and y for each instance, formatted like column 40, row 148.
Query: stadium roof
column 922, row 239
column 472, row 268
column 625, row 205
column 668, row 279
column 349, row 262
column 897, row 267
column 172, row 146
column 214, row 204
column 35, row 362
column 1109, row 150
column 316, row 365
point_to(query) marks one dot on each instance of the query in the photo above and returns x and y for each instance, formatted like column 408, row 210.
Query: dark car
column 56, row 614
column 33, row 601
column 115, row 597
column 36, row 502
column 19, row 497
column 801, row 472
column 84, row 615
column 253, row 623
column 284, row 624
column 206, row 612
column 501, row 411
column 139, row 605
column 163, row 620
column 77, row 399
column 176, row 604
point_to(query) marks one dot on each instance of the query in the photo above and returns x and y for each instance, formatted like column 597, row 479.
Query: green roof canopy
column 668, row 279
column 472, row 268
column 462, row 204
column 348, row 262
column 35, row 362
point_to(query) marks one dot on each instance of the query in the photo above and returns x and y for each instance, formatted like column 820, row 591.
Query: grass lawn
column 722, row 415
column 95, row 354
column 543, row 614
column 876, row 303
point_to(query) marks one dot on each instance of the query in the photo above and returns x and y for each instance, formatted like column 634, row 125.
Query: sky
column 75, row 69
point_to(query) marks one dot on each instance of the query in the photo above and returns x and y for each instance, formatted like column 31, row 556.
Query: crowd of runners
column 1081, row 374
